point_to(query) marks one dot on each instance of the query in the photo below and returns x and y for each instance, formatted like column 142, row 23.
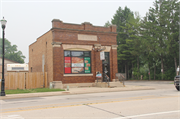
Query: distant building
column 6, row 61
column 17, row 68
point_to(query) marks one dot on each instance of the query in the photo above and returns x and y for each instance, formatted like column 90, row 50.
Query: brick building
column 71, row 52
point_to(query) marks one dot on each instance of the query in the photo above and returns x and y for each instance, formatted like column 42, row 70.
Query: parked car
column 176, row 82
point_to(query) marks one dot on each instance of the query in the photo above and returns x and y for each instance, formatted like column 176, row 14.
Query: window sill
column 78, row 74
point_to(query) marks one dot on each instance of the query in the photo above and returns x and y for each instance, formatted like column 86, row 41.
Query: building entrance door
column 106, row 63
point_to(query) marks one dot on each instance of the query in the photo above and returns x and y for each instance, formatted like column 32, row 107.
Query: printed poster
column 87, row 61
column 77, row 62
column 67, row 70
column 67, row 61
column 78, row 70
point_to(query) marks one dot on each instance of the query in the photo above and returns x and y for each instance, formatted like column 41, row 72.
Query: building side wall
column 42, row 47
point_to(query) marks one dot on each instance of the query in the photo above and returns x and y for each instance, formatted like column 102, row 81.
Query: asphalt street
column 161, row 103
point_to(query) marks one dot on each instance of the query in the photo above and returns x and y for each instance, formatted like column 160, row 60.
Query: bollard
column 50, row 85
column 67, row 88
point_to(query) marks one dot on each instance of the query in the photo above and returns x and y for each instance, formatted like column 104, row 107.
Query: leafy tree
column 107, row 24
column 11, row 52
column 160, row 35
column 172, row 31
column 120, row 19
column 152, row 42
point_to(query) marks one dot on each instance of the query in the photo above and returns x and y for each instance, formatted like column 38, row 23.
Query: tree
column 11, row 52
column 107, row 24
column 172, row 31
column 134, row 40
column 120, row 19
column 160, row 35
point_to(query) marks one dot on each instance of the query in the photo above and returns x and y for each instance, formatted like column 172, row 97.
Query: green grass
column 18, row 91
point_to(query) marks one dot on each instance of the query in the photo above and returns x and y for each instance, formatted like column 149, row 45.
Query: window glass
column 17, row 68
column 77, row 70
column 106, row 58
column 76, row 53
column 87, row 54
column 77, row 62
column 66, row 53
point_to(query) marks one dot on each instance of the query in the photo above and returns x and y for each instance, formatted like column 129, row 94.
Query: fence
column 20, row 80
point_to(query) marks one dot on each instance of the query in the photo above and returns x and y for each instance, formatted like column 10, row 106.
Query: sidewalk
column 74, row 91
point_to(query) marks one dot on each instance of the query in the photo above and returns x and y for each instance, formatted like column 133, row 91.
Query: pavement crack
column 105, row 110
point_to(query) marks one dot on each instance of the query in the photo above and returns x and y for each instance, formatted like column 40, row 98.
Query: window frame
column 78, row 56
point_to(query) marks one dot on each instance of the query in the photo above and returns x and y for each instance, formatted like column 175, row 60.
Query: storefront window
column 106, row 58
column 77, row 62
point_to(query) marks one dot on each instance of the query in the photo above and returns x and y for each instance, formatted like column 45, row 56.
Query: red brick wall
column 84, row 26
column 114, row 63
column 68, row 34
column 59, row 68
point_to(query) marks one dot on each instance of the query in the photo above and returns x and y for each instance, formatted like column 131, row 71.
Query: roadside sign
column 99, row 75
column 102, row 56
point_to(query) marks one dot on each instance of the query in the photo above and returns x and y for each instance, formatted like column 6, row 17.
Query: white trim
column 108, row 48
column 114, row 46
column 78, row 75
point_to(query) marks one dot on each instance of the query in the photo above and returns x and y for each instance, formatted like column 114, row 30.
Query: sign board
column 87, row 37
column 177, row 69
column 106, row 72
column 118, row 74
column 102, row 56
column 99, row 75
column 161, row 70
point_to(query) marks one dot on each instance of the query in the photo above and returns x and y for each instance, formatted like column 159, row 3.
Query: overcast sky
column 29, row 19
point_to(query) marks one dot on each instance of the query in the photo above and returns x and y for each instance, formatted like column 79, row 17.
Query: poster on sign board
column 102, row 56
column 67, row 65
column 87, row 62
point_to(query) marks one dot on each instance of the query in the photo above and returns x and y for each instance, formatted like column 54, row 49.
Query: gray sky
column 29, row 19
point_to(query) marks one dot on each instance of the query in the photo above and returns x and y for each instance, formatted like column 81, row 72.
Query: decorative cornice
column 114, row 46
column 87, row 23
column 85, row 31
column 56, row 20
column 113, row 25
column 56, row 44
column 97, row 45
column 107, row 48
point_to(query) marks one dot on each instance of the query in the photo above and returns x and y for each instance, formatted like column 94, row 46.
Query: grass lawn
column 32, row 90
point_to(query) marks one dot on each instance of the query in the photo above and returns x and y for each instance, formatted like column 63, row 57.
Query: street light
column 3, row 23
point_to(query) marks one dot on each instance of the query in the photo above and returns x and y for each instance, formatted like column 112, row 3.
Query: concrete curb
column 75, row 91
